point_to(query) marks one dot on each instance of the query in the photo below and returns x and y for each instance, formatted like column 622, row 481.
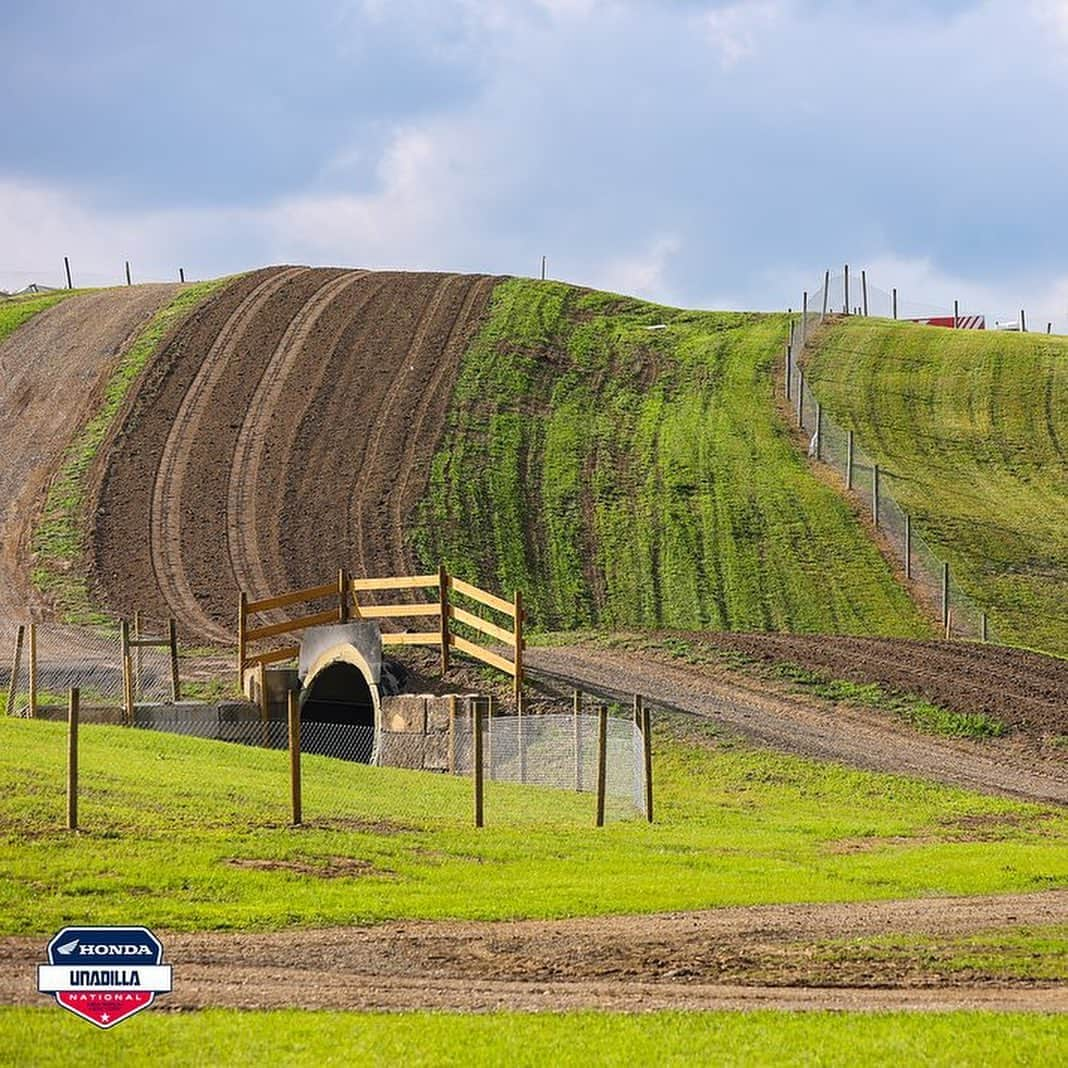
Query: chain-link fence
column 929, row 575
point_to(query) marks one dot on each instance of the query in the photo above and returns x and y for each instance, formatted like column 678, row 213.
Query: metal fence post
column 826, row 293
column 804, row 320
column 294, row 756
column 577, row 712
column 602, row 760
column 72, row 759
column 819, row 431
column 864, row 287
column 647, row 755
column 789, row 368
column 875, row 495
column 172, row 641
column 801, row 399
column 16, row 667
column 476, row 746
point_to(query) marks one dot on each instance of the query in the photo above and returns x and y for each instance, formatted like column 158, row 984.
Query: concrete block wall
column 416, row 730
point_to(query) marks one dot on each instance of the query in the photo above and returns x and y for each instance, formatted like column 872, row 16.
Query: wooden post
column 16, row 667
column 647, row 755
column 908, row 546
column 602, row 760
column 129, row 282
column 801, row 399
column 984, row 628
column 1049, row 328
column 181, row 274
column 895, row 303
column 242, row 614
column 294, row 756
column 138, row 656
column 1023, row 322
column 342, row 595
column 127, row 674
column 956, row 315
column 517, row 638
column 476, row 746
column 452, row 734
column 945, row 596
column 521, row 740
column 864, row 289
column 72, row 759
column 826, row 293
column 949, row 624
column 577, row 712
column 172, row 641
column 789, row 368
column 849, row 459
column 543, row 268
column 875, row 495
column 66, row 267
column 819, row 431
column 846, row 308
column 33, row 670
column 443, row 602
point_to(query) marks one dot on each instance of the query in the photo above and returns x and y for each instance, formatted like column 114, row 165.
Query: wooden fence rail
column 348, row 590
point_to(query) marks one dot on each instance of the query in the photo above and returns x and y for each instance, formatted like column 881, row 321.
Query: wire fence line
column 929, row 574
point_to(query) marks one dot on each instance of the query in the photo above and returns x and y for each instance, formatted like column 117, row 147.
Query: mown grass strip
column 46, row 1036
column 18, row 310
column 59, row 538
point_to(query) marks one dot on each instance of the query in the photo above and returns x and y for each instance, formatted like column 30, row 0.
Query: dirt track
column 52, row 371
column 855, row 736
column 767, row 957
column 285, row 430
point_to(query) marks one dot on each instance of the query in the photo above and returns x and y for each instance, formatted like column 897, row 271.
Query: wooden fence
column 346, row 592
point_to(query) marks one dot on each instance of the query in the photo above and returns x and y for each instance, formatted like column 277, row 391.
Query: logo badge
column 104, row 974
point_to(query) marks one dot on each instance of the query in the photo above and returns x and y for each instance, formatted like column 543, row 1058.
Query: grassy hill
column 624, row 464
column 17, row 310
column 972, row 431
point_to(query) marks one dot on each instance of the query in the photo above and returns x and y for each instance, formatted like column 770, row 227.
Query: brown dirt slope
column 52, row 372
column 285, row 430
column 787, row 956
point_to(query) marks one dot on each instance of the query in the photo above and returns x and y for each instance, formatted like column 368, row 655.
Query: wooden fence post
column 172, row 641
column 576, row 701
column 1023, row 322
column 342, row 595
column 956, row 315
column 945, row 596
column 129, row 281
column 819, row 431
column 908, row 546
column 875, row 495
column 16, row 667
column 443, row 602
column 895, row 302
column 294, row 756
column 33, row 671
column 242, row 616
column 984, row 628
column 826, row 293
column 127, row 674
column 476, row 746
column 864, row 287
column 849, row 459
column 602, row 760
column 647, row 755
column 72, row 758
column 181, row 275
column 846, row 291
column 517, row 637
column 66, row 267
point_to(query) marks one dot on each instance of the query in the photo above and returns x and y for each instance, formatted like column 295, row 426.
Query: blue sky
column 712, row 154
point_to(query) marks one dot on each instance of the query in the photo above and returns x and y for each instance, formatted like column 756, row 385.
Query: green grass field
column 187, row 834
column 17, row 310
column 49, row 1036
column 971, row 429
column 627, row 476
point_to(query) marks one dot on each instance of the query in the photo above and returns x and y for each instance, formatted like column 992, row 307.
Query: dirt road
column 285, row 430
column 52, row 372
column 791, row 956
column 861, row 738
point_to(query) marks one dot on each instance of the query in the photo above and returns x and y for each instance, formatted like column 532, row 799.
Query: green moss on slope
column 622, row 475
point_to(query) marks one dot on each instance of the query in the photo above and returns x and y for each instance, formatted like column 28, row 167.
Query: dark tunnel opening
column 338, row 714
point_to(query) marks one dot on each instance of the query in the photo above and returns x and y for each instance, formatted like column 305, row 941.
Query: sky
column 702, row 153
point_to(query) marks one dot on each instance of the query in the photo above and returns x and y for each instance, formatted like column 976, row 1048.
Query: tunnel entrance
column 338, row 714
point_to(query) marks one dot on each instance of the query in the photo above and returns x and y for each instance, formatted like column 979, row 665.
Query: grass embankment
column 46, row 1036
column 17, row 310
column 59, row 538
column 620, row 475
column 971, row 430
column 188, row 834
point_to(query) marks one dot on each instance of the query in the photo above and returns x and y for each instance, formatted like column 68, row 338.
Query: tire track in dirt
column 53, row 370
column 791, row 956
column 243, row 527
